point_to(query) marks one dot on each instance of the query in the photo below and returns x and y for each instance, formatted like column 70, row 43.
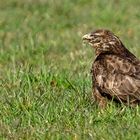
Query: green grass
column 45, row 82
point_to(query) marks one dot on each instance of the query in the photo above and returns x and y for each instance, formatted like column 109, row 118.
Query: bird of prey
column 115, row 70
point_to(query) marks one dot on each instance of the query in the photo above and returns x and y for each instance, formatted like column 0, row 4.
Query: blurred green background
column 45, row 82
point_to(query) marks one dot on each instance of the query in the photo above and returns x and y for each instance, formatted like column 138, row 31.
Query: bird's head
column 103, row 41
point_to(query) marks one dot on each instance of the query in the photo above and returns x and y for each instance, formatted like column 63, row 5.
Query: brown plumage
column 115, row 71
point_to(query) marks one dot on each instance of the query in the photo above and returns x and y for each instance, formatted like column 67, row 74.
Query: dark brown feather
column 115, row 71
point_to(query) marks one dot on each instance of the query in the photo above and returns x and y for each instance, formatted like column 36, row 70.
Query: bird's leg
column 102, row 101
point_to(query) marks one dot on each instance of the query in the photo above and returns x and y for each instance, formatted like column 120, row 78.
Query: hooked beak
column 87, row 37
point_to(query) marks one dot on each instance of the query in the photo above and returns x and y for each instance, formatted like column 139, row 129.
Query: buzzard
column 115, row 70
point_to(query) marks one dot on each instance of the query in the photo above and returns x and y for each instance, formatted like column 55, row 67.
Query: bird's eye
column 91, row 35
column 96, row 36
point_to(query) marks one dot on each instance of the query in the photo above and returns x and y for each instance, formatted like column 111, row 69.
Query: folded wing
column 122, row 80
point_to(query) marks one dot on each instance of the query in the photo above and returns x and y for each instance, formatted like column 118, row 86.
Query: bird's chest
column 99, row 73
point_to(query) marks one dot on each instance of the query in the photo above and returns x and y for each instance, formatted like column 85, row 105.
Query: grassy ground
column 45, row 82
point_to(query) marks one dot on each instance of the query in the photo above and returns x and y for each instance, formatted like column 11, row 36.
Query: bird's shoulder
column 118, row 64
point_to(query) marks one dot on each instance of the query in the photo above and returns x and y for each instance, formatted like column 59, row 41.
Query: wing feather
column 122, row 79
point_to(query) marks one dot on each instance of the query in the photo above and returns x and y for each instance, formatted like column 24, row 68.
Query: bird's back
column 117, row 77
